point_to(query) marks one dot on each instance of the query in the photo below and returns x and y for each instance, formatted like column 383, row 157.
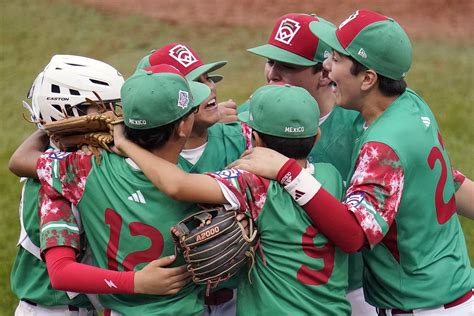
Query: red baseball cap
column 292, row 41
column 184, row 59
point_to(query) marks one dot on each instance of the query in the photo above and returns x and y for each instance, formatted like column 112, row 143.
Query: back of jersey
column 301, row 272
column 127, row 223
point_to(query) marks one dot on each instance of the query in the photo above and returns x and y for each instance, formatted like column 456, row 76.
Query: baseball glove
column 92, row 130
column 215, row 245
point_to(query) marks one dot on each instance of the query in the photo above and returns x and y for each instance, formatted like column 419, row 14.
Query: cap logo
column 182, row 55
column 362, row 53
column 352, row 17
column 183, row 99
column 287, row 30
column 326, row 54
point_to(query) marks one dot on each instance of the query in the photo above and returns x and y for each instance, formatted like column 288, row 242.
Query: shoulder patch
column 58, row 155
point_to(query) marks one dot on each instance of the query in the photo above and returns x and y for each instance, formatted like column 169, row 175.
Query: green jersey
column 225, row 144
column 418, row 257
column 337, row 140
column 127, row 222
column 29, row 277
column 335, row 147
column 299, row 272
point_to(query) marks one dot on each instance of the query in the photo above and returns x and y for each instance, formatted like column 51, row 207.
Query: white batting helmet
column 67, row 81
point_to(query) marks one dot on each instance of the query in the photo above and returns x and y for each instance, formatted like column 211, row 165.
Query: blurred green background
column 33, row 31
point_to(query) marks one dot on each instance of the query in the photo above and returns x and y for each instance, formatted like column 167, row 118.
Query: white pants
column 26, row 309
column 359, row 306
column 464, row 309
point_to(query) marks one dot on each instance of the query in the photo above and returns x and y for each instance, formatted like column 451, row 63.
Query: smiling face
column 208, row 113
column 345, row 86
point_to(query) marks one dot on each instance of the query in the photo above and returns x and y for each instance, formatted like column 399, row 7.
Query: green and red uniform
column 300, row 271
column 337, row 140
column 409, row 220
column 127, row 221
column 335, row 147
column 225, row 144
column 29, row 277
column 401, row 194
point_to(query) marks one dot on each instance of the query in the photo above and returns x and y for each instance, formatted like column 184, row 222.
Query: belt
column 456, row 302
column 70, row 307
column 219, row 297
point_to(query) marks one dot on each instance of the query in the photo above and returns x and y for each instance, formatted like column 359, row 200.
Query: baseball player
column 188, row 62
column 300, row 272
column 212, row 145
column 30, row 281
column 29, row 277
column 115, row 198
column 413, row 246
column 295, row 56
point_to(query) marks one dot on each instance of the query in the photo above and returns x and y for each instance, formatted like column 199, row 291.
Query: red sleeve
column 371, row 202
column 66, row 172
column 68, row 275
column 249, row 189
column 58, row 225
column 247, row 134
column 339, row 225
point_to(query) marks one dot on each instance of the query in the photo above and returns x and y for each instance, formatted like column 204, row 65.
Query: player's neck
column 170, row 151
column 326, row 101
column 197, row 138
column 374, row 105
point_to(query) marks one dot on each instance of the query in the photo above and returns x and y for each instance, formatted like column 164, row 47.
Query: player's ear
column 317, row 136
column 369, row 79
column 257, row 140
column 181, row 128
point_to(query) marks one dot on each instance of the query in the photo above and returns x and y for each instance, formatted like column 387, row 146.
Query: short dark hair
column 153, row 138
column 296, row 148
column 388, row 87
column 317, row 68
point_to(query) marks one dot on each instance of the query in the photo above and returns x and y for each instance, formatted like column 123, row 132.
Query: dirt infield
column 420, row 18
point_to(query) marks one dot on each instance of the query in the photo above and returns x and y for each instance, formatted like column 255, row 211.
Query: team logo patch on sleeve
column 355, row 199
column 182, row 55
column 287, row 31
column 228, row 174
column 58, row 155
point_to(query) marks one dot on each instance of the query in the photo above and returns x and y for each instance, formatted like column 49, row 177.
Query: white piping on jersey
column 324, row 118
column 132, row 164
column 52, row 225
